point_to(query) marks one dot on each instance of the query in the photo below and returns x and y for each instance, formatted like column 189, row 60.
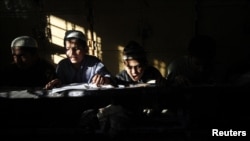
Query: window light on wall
column 57, row 27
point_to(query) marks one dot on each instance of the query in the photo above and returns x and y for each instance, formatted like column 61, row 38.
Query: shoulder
column 179, row 62
column 46, row 63
column 64, row 61
column 121, row 73
column 92, row 61
column 92, row 58
column 123, row 78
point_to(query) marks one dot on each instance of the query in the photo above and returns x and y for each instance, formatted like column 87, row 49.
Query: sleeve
column 102, row 70
column 122, row 78
column 59, row 72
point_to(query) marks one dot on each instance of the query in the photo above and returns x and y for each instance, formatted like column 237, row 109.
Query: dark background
column 164, row 27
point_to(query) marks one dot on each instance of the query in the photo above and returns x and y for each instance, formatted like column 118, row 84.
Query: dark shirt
column 90, row 66
column 37, row 75
column 196, row 75
column 150, row 73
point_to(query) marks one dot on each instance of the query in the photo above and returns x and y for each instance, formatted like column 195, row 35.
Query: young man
column 27, row 69
column 120, row 116
column 79, row 67
column 198, row 67
column 136, row 66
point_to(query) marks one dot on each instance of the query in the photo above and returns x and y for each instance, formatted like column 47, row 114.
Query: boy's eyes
column 135, row 67
column 19, row 55
column 74, row 48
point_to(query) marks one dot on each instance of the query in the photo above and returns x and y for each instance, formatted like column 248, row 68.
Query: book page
column 80, row 86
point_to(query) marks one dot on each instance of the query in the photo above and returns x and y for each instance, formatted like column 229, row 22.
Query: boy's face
column 22, row 58
column 134, row 69
column 74, row 51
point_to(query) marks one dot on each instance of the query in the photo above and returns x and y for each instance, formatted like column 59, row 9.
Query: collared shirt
column 90, row 66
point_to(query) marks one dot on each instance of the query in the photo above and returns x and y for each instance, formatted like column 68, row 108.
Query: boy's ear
column 124, row 62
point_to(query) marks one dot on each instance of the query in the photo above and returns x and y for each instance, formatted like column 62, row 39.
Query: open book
column 80, row 86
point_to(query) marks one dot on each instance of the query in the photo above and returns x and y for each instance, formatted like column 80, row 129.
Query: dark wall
column 228, row 23
column 163, row 27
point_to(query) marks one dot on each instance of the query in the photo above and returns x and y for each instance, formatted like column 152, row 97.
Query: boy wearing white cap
column 79, row 67
column 27, row 69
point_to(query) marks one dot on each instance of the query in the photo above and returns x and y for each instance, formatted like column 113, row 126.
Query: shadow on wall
column 161, row 66
column 56, row 27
